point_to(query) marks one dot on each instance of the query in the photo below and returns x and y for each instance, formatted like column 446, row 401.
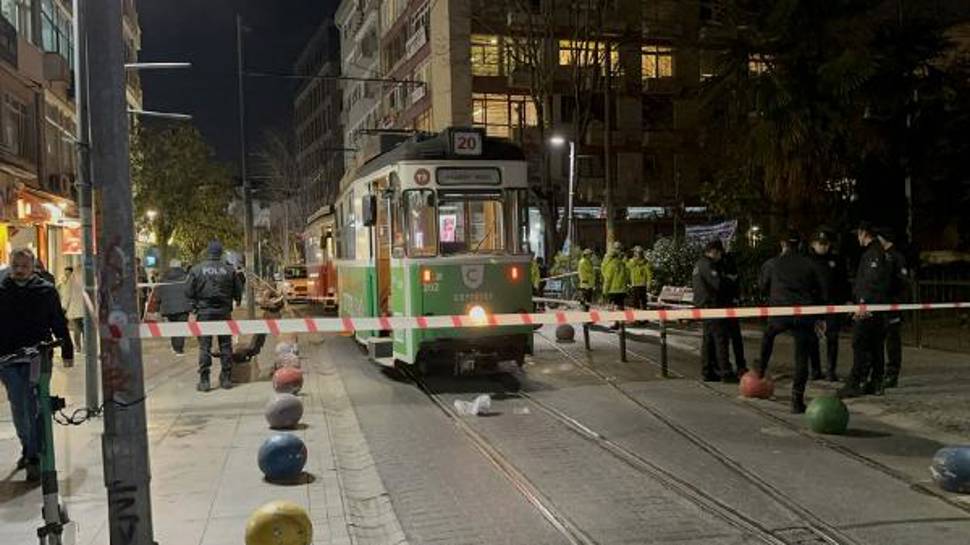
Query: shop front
column 46, row 224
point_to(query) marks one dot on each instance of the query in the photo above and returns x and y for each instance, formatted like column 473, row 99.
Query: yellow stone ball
column 279, row 523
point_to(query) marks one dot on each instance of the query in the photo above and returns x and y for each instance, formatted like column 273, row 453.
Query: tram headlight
column 515, row 273
column 478, row 314
column 427, row 276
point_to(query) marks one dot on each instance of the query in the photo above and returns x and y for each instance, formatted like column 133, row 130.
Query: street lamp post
column 247, row 193
column 560, row 141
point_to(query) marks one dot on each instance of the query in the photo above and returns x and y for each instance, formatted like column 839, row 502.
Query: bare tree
column 284, row 184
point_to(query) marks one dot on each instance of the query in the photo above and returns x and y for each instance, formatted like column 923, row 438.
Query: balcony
column 56, row 68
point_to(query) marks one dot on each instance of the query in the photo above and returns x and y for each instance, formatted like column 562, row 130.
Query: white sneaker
column 177, row 353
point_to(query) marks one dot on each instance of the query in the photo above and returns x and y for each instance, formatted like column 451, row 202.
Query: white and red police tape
column 347, row 324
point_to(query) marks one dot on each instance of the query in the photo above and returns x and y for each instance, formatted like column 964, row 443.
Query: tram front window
column 470, row 223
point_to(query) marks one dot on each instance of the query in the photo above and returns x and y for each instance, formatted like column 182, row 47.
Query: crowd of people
column 818, row 276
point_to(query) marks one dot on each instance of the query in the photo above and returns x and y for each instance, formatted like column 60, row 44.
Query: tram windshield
column 470, row 222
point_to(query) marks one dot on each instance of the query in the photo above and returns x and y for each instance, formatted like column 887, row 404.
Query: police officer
column 872, row 286
column 587, row 278
column 899, row 292
column 791, row 279
column 731, row 297
column 213, row 286
column 640, row 278
column 707, row 284
column 836, row 290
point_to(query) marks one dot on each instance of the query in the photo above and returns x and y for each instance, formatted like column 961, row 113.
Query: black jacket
column 792, row 279
column 730, row 294
column 173, row 298
column 212, row 287
column 899, row 285
column 835, row 277
column 707, row 283
column 873, row 279
column 31, row 314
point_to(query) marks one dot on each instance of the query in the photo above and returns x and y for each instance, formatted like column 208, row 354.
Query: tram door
column 383, row 257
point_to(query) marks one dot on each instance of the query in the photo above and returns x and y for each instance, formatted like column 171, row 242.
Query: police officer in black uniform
column 791, row 279
column 708, row 286
column 872, row 286
column 213, row 286
column 899, row 292
column 731, row 297
column 836, row 287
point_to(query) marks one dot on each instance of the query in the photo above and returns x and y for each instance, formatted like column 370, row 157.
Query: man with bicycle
column 31, row 314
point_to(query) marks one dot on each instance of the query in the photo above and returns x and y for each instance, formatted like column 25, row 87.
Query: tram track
column 812, row 531
column 668, row 480
column 820, row 441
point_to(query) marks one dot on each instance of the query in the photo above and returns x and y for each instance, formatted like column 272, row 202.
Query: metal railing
column 940, row 329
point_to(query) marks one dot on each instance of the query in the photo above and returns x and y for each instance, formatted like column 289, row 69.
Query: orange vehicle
column 321, row 273
column 296, row 284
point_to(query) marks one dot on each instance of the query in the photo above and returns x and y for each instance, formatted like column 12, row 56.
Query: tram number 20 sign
column 466, row 142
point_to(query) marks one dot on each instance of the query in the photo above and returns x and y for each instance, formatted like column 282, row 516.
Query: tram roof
column 436, row 147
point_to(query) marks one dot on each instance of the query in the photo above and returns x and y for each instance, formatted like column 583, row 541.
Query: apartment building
column 358, row 22
column 37, row 126
column 317, row 109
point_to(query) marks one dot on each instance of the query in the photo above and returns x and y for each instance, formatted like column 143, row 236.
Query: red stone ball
column 754, row 386
column 288, row 380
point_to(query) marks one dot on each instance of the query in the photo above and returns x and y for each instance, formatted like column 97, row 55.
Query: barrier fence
column 389, row 323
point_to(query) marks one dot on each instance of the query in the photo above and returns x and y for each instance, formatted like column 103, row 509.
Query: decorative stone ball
column 279, row 523
column 754, row 386
column 281, row 457
column 951, row 469
column 288, row 380
column 284, row 347
column 828, row 415
column 565, row 333
column 284, row 411
column 288, row 360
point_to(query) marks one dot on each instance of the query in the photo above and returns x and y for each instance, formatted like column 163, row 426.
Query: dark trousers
column 639, row 296
column 714, row 350
column 23, row 408
column 868, row 337
column 205, row 348
column 586, row 297
column 894, row 345
column 732, row 326
column 178, row 343
column 803, row 330
column 257, row 343
column 833, row 326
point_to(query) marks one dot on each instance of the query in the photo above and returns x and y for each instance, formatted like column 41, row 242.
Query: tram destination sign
column 469, row 176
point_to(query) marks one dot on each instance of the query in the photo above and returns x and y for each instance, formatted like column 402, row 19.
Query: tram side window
column 420, row 219
column 349, row 230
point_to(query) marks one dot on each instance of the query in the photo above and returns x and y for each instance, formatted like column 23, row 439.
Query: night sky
column 203, row 32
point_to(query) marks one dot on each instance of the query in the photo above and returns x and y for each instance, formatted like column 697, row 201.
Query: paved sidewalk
column 205, row 479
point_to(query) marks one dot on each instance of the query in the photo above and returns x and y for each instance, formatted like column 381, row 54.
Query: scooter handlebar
column 29, row 351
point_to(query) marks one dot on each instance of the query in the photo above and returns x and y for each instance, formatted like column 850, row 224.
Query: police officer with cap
column 899, row 293
column 708, row 284
column 836, row 289
column 873, row 283
column 791, row 279
column 587, row 278
column 640, row 278
column 213, row 286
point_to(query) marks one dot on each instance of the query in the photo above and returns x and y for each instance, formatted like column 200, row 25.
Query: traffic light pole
column 125, row 439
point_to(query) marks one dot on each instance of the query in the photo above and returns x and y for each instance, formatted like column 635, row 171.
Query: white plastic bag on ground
column 481, row 405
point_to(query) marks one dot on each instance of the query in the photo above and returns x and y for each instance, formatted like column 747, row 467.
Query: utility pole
column 247, row 192
column 125, row 440
column 85, row 202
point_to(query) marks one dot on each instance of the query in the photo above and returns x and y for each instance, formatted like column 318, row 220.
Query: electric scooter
column 54, row 513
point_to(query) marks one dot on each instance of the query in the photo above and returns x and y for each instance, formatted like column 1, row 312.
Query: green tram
column 437, row 226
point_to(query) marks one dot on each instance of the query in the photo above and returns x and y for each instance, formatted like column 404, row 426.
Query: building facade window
column 758, row 64
column 499, row 114
column 657, row 62
column 485, row 55
column 19, row 13
column 586, row 53
column 57, row 34
column 17, row 128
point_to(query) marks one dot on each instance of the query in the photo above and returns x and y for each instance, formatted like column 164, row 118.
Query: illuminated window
column 586, row 53
column 500, row 114
column 485, row 57
column 758, row 64
column 657, row 62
